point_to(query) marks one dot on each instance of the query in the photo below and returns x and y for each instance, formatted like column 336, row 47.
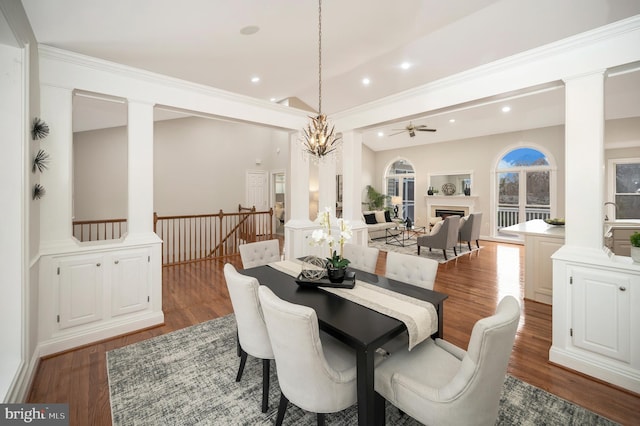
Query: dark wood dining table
column 362, row 328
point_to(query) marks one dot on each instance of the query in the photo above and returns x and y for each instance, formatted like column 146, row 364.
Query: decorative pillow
column 380, row 216
column 370, row 219
column 436, row 228
column 387, row 216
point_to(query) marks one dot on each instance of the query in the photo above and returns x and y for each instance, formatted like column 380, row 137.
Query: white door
column 601, row 312
column 80, row 297
column 130, row 281
column 257, row 190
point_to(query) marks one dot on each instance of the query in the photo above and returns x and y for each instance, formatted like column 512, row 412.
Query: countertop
column 535, row 227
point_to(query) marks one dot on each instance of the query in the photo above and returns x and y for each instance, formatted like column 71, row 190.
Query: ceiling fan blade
column 397, row 133
column 426, row 130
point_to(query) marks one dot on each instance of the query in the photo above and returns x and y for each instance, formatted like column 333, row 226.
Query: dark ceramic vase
column 336, row 275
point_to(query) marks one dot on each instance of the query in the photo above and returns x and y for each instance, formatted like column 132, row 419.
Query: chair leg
column 379, row 404
column 444, row 251
column 469, row 243
column 477, row 243
column 243, row 360
column 454, row 251
column 418, row 250
column 282, row 407
column 320, row 419
column 265, row 385
column 238, row 348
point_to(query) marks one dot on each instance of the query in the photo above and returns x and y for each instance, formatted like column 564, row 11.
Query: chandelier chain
column 319, row 56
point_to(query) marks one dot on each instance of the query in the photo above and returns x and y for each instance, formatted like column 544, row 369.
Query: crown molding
column 501, row 66
column 113, row 68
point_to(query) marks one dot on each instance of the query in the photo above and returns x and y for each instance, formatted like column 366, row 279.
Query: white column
column 584, row 164
column 299, row 179
column 327, row 180
column 298, row 227
column 56, row 108
column 352, row 185
column 140, row 133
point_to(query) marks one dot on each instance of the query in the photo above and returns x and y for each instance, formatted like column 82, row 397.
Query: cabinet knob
column 97, row 264
column 622, row 288
column 116, row 262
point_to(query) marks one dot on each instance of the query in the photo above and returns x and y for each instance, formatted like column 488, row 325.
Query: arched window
column 400, row 184
column 525, row 183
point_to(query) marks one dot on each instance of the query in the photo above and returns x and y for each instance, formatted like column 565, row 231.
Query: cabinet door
column 80, row 294
column 601, row 320
column 130, row 282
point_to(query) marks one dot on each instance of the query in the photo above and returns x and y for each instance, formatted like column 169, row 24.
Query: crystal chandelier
column 319, row 136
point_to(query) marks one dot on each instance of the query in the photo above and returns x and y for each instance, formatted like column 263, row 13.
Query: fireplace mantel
column 452, row 202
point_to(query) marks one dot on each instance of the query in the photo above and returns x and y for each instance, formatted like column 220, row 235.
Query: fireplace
column 443, row 213
column 442, row 206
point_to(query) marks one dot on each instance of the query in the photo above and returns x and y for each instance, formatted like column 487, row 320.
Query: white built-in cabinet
column 83, row 296
column 80, row 290
column 601, row 311
column 98, row 293
column 596, row 316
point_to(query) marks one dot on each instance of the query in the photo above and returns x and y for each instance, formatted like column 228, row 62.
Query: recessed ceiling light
column 452, row 120
column 380, row 134
column 255, row 79
column 405, row 65
column 272, row 99
column 506, row 108
column 366, row 81
column 250, row 29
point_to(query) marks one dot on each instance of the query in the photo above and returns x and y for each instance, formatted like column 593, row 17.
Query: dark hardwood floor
column 475, row 283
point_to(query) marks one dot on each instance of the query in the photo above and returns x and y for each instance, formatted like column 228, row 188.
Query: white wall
column 200, row 164
column 476, row 154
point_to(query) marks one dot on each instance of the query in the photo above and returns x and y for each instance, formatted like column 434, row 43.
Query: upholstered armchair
column 361, row 257
column 437, row 383
column 470, row 229
column 252, row 331
column 259, row 253
column 444, row 235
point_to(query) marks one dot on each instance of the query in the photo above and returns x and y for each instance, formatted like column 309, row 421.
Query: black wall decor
column 38, row 191
column 39, row 130
column 40, row 161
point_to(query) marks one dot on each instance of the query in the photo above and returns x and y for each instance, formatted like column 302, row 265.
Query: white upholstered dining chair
column 317, row 375
column 418, row 271
column 259, row 253
column 252, row 331
column 414, row 270
column 438, row 383
column 361, row 257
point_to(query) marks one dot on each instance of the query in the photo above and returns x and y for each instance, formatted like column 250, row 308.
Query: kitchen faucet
column 614, row 205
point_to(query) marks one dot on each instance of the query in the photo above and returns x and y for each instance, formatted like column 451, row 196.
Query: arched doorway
column 525, row 187
column 400, row 187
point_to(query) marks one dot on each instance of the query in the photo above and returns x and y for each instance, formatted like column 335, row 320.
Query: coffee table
column 402, row 236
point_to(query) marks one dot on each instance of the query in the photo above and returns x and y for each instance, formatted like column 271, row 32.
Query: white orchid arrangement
column 323, row 236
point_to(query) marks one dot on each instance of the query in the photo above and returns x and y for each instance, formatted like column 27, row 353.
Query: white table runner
column 419, row 316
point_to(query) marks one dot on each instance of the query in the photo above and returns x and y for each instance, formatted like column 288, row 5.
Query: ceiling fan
column 413, row 129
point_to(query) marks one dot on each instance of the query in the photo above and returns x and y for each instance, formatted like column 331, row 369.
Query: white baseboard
column 72, row 339
column 611, row 372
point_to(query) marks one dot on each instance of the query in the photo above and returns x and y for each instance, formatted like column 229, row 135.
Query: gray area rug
column 188, row 378
column 435, row 254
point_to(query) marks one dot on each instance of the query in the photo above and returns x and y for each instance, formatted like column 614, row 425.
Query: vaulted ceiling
column 206, row 41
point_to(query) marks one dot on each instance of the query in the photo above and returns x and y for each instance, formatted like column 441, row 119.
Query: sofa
column 377, row 222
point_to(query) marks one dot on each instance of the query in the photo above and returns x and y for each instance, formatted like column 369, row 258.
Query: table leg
column 365, row 382
column 440, row 309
